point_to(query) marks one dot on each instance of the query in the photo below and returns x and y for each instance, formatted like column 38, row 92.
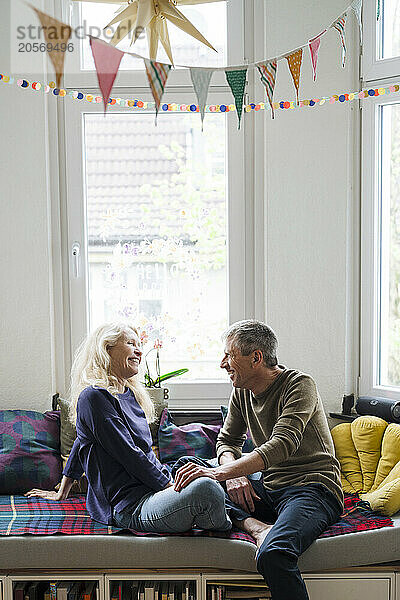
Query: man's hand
column 46, row 494
column 241, row 492
column 190, row 472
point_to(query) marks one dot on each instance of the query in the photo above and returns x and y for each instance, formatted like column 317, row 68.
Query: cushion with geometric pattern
column 29, row 450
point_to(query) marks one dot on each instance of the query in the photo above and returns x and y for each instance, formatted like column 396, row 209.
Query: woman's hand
column 190, row 472
column 60, row 494
column 46, row 494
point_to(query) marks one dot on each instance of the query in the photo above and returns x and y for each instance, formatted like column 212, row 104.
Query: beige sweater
column 288, row 426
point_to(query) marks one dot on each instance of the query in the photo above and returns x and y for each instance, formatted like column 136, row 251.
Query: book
column 164, row 590
column 62, row 590
column 88, row 590
column 116, row 590
column 141, row 591
column 149, row 590
column 135, row 590
column 239, row 583
column 19, row 590
column 53, row 590
column 74, row 590
column 251, row 593
column 157, row 594
column 36, row 590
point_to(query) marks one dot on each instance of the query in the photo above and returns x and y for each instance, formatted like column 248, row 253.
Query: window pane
column 390, row 248
column 390, row 28
column 156, row 225
column 209, row 19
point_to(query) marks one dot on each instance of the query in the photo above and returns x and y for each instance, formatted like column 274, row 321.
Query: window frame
column 373, row 68
column 371, row 215
column 375, row 73
column 246, row 189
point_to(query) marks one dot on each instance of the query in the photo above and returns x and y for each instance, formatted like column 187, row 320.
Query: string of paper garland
column 212, row 108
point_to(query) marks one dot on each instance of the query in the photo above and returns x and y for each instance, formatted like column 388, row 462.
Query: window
column 380, row 317
column 160, row 222
column 381, row 52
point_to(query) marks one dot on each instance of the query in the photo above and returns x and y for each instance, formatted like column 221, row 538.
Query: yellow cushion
column 368, row 450
column 347, row 456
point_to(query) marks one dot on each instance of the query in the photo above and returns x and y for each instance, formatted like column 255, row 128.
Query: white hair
column 92, row 367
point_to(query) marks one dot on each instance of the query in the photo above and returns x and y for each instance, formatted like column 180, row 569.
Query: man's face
column 238, row 367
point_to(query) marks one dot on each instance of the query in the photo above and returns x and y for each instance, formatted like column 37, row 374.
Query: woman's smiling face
column 125, row 356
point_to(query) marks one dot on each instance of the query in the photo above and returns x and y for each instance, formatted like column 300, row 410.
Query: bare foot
column 257, row 529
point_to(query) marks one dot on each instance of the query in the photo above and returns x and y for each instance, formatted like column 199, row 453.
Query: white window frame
column 376, row 73
column 371, row 248
column 373, row 68
column 246, row 188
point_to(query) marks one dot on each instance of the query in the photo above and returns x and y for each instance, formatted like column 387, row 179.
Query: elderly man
column 300, row 493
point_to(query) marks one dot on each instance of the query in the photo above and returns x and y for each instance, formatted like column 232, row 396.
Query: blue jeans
column 299, row 514
column 201, row 504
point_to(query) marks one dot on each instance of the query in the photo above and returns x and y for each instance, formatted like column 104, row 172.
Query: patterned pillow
column 29, row 450
column 193, row 439
column 248, row 446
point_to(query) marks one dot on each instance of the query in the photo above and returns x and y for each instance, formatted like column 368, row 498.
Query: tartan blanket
column 20, row 515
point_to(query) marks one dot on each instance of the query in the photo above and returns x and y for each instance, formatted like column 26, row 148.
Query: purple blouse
column 113, row 448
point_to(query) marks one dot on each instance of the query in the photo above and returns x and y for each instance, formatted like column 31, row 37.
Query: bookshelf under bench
column 379, row 583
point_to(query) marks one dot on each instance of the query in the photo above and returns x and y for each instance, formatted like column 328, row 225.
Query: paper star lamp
column 152, row 16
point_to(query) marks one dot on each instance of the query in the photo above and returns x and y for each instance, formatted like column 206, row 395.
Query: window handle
column 76, row 253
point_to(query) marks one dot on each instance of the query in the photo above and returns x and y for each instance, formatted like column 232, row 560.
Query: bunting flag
column 267, row 72
column 314, row 44
column 294, row 62
column 107, row 60
column 55, row 33
column 339, row 25
column 237, row 83
column 201, row 81
column 357, row 8
column 157, row 74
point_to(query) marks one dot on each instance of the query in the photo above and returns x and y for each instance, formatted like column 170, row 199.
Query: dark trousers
column 299, row 514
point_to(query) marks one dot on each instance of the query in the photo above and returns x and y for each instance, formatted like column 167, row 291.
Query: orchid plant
column 149, row 382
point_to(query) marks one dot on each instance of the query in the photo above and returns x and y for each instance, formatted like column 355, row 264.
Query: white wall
column 311, row 204
column 310, row 208
column 25, row 358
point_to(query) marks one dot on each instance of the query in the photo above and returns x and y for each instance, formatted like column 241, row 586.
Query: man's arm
column 239, row 489
column 229, row 469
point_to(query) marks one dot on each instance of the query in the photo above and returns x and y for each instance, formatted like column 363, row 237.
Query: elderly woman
column 127, row 485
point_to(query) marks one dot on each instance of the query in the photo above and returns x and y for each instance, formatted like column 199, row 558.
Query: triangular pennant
column 55, row 33
column 237, row 83
column 267, row 72
column 294, row 62
column 314, row 44
column 357, row 7
column 107, row 60
column 201, row 81
column 339, row 25
column 157, row 74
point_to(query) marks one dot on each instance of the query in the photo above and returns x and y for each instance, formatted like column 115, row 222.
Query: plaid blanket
column 20, row 515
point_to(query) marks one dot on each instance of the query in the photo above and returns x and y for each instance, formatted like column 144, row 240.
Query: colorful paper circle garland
column 213, row 108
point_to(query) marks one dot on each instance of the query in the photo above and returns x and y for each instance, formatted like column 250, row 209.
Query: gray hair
column 251, row 335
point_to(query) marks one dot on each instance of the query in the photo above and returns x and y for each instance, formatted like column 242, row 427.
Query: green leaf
column 171, row 374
